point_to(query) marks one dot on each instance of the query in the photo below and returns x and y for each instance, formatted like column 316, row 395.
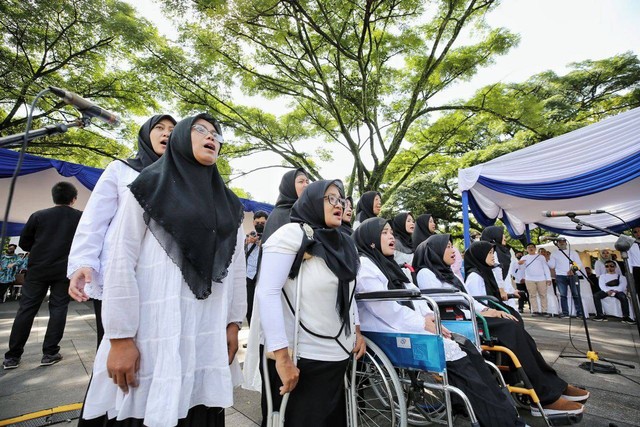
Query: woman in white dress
column 313, row 247
column 91, row 243
column 465, row 366
column 174, row 294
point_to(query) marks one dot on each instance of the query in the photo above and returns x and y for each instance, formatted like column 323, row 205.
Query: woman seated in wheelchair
column 432, row 263
column 465, row 366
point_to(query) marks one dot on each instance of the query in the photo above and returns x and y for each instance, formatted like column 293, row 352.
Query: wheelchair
column 402, row 379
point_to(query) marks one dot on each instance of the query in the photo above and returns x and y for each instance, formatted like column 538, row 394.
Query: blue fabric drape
column 595, row 181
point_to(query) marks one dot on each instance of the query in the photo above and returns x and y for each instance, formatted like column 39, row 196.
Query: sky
column 553, row 33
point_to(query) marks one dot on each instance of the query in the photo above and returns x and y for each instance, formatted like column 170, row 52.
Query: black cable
column 16, row 172
column 623, row 221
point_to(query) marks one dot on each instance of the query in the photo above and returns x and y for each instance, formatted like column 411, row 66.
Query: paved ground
column 615, row 398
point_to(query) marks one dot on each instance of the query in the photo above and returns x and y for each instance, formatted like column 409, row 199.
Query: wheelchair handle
column 431, row 291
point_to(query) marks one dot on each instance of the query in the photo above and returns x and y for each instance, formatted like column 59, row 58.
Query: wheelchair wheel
column 379, row 394
column 425, row 405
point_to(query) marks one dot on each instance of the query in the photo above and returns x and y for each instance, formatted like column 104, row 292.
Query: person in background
column 537, row 278
column 47, row 235
column 347, row 216
column 517, row 274
column 368, row 206
column 403, row 226
column 567, row 263
column 291, row 187
column 10, row 265
column 598, row 267
column 496, row 236
column 612, row 284
column 252, row 244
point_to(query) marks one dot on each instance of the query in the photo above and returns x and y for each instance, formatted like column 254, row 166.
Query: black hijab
column 364, row 210
column 346, row 226
column 190, row 211
column 494, row 234
column 146, row 155
column 368, row 237
column 430, row 255
column 475, row 261
column 287, row 197
column 399, row 226
column 421, row 232
column 330, row 244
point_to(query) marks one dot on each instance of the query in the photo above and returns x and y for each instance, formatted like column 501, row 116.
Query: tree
column 358, row 75
column 87, row 46
column 501, row 118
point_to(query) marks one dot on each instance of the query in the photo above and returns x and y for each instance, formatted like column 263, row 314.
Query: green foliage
column 502, row 118
column 86, row 46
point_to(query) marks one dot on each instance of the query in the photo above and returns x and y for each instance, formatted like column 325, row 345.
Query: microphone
column 86, row 107
column 553, row 239
column 552, row 214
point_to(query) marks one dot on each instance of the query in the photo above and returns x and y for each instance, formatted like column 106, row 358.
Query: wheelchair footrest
column 564, row 419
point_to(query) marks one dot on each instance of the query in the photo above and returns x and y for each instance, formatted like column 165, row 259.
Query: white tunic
column 182, row 340
column 92, row 242
column 389, row 316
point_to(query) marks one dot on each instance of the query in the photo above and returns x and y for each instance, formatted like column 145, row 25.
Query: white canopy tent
column 595, row 167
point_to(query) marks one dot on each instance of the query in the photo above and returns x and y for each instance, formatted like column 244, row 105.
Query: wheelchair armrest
column 393, row 294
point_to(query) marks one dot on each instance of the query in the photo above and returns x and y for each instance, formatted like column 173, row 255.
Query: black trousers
column 546, row 382
column 33, row 293
column 251, row 292
column 4, row 287
column 524, row 296
column 620, row 296
column 318, row 399
column 471, row 375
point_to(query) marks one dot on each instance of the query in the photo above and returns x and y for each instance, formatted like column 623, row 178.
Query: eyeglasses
column 335, row 201
column 204, row 132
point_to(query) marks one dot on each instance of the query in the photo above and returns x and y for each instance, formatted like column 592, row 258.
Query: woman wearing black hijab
column 312, row 247
column 495, row 235
column 425, row 228
column 291, row 187
column 90, row 246
column 346, row 216
column 369, row 206
column 403, row 227
column 556, row 396
column 465, row 366
column 174, row 295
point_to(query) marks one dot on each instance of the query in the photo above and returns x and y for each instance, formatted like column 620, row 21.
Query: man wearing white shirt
column 634, row 258
column 537, row 276
column 564, row 261
column 614, row 285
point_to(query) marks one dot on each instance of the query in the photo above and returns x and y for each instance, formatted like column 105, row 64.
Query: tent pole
column 527, row 232
column 465, row 218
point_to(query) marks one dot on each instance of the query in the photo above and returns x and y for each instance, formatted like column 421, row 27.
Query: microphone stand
column 591, row 354
column 17, row 139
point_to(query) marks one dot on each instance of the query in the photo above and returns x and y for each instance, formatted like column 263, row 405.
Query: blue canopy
column 39, row 174
column 595, row 167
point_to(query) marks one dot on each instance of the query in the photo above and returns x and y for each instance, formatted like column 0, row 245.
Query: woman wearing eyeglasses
column 92, row 241
column 325, row 259
column 174, row 294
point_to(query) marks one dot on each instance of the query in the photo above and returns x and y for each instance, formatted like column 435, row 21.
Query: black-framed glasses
column 204, row 132
column 335, row 201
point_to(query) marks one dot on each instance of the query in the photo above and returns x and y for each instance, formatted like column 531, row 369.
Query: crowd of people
column 161, row 251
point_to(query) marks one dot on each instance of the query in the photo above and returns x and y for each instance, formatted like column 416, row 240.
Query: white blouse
column 182, row 340
column 318, row 313
column 92, row 242
column 389, row 316
column 428, row 280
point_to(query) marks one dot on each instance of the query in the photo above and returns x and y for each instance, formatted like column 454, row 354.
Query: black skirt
column 198, row 416
column 318, row 399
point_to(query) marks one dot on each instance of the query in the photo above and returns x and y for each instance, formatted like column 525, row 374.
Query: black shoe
column 563, row 316
column 50, row 359
column 10, row 363
column 628, row 321
column 599, row 319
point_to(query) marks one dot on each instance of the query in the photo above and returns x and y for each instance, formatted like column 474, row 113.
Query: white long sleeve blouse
column 389, row 316
column 319, row 287
column 92, row 242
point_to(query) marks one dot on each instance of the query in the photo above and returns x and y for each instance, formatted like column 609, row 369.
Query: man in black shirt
column 47, row 235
